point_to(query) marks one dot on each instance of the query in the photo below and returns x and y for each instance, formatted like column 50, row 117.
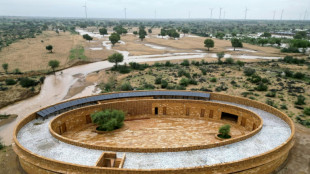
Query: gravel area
column 275, row 131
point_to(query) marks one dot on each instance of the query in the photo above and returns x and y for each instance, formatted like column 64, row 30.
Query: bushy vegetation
column 224, row 132
column 27, row 82
column 249, row 71
column 10, row 82
column 108, row 120
column 300, row 100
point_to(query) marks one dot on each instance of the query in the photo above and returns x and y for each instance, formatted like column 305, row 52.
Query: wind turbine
column 220, row 13
column 305, row 15
column 125, row 11
column 246, row 11
column 274, row 14
column 211, row 10
column 155, row 14
column 224, row 14
column 189, row 14
column 85, row 6
column 282, row 13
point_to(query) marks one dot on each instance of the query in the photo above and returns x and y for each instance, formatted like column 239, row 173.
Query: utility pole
column 220, row 13
column 274, row 14
column 211, row 10
column 282, row 13
column 85, row 7
column 224, row 14
column 246, row 11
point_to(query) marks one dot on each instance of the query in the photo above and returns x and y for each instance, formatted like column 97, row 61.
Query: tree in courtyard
column 224, row 131
column 236, row 43
column 209, row 43
column 220, row 55
column 116, row 58
column 53, row 64
column 5, row 67
column 49, row 48
column 108, row 120
column 114, row 38
column 103, row 31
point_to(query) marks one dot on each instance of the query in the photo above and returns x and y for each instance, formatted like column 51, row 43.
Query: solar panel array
column 61, row 106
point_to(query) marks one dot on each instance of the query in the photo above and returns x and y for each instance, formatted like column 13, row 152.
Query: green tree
column 300, row 35
column 49, row 48
column 87, row 37
column 266, row 34
column 108, row 120
column 185, row 31
column 53, row 64
column 209, row 43
column 114, row 38
column 236, row 43
column 5, row 67
column 116, row 58
column 220, row 55
column 262, row 41
column 103, row 31
column 141, row 36
column 220, row 35
column 150, row 30
column 135, row 32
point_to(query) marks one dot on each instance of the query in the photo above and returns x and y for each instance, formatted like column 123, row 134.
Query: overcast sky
column 233, row 9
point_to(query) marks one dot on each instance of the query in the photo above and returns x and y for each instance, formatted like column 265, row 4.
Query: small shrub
column 299, row 75
column 42, row 79
column 261, row 87
column 240, row 63
column 1, row 145
column 283, row 106
column 288, row 73
column 224, row 131
column 168, row 63
column 307, row 111
column 203, row 71
column 213, row 79
column 10, row 82
column 126, row 87
column 265, row 80
column 182, row 72
column 249, row 71
column 300, row 100
column 271, row 103
column 180, row 87
column 164, row 84
column 17, row 71
column 271, row 94
column 185, row 63
column 255, row 78
column 229, row 61
column 158, row 80
column 148, row 86
column 193, row 82
column 184, row 82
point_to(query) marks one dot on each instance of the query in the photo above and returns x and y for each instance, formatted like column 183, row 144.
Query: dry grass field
column 31, row 55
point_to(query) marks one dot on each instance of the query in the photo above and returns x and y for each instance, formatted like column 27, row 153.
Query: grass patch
column 77, row 53
column 3, row 116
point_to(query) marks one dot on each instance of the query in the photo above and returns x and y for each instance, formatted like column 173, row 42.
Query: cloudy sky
column 232, row 9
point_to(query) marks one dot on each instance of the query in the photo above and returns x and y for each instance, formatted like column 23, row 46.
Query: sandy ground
column 154, row 133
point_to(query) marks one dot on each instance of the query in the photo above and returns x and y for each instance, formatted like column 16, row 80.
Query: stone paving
column 274, row 132
column 155, row 133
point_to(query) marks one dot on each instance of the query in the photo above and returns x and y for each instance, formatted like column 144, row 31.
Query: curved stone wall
column 174, row 109
column 262, row 163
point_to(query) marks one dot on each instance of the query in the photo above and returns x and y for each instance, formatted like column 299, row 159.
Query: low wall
column 174, row 109
column 263, row 163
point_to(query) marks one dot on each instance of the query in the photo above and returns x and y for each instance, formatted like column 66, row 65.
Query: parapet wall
column 263, row 163
column 173, row 108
